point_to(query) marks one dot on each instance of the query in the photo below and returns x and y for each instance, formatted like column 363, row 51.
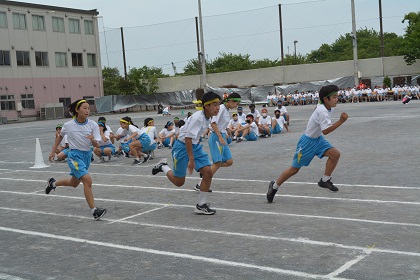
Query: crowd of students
column 351, row 95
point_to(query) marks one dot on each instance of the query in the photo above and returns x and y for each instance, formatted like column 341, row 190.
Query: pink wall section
column 48, row 90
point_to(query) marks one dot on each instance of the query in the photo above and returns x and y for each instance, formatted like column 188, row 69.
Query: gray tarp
column 185, row 98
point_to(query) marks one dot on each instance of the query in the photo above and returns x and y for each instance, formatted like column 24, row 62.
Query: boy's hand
column 344, row 117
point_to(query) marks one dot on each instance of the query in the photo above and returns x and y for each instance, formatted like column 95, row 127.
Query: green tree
column 412, row 37
column 145, row 79
column 111, row 77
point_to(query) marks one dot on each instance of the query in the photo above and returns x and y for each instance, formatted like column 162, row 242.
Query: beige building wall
column 368, row 68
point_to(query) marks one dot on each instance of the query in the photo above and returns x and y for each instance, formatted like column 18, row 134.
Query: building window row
column 7, row 102
column 41, row 59
column 38, row 23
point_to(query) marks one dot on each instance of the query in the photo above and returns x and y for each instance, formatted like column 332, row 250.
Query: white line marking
column 9, row 277
column 347, row 265
column 243, row 193
column 168, row 254
column 214, row 179
column 229, row 210
column 228, row 233
column 139, row 214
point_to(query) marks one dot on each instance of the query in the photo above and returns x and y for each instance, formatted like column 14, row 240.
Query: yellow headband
column 124, row 121
column 150, row 121
column 80, row 102
column 211, row 101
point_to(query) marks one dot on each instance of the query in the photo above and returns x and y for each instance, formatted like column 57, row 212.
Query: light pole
column 295, row 42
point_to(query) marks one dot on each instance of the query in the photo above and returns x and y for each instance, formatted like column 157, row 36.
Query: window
column 58, row 24
column 60, row 59
column 4, row 58
column 22, row 58
column 27, row 101
column 74, row 25
column 89, row 27
column 41, row 58
column 76, row 59
column 7, row 102
column 91, row 60
column 19, row 21
column 3, row 20
column 38, row 23
column 89, row 99
column 65, row 100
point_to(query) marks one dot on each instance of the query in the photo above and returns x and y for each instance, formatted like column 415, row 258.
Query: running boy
column 219, row 149
column 82, row 134
column 312, row 143
column 187, row 154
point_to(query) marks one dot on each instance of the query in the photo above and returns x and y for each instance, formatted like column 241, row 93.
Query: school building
column 49, row 57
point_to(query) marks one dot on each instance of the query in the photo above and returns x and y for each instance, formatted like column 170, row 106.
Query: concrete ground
column 370, row 229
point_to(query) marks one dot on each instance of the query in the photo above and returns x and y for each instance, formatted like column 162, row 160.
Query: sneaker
column 99, row 213
column 109, row 158
column 136, row 161
column 271, row 192
column 204, row 209
column 158, row 167
column 92, row 159
column 50, row 186
column 239, row 140
column 146, row 157
column 266, row 136
column 160, row 146
column 197, row 187
column 127, row 155
column 234, row 138
column 170, row 147
column 328, row 185
column 102, row 159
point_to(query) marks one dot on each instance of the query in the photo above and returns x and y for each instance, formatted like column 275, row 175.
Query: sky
column 158, row 33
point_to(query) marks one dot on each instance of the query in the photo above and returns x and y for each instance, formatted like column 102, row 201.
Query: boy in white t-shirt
column 249, row 130
column 312, row 142
column 188, row 154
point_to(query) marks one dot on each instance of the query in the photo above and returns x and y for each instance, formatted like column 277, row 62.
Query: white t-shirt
column 131, row 130
column 319, row 121
column 266, row 120
column 165, row 132
column 281, row 121
column 234, row 123
column 77, row 132
column 64, row 142
column 222, row 119
column 107, row 134
column 254, row 128
column 194, row 127
column 283, row 110
column 256, row 114
column 120, row 132
column 241, row 118
column 151, row 131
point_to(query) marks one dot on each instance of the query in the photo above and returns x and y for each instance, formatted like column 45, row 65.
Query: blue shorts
column 180, row 158
column 251, row 136
column 79, row 162
column 144, row 140
column 218, row 152
column 149, row 148
column 166, row 142
column 125, row 146
column 110, row 146
column 307, row 148
column 276, row 129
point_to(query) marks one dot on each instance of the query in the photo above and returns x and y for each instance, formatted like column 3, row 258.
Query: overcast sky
column 159, row 32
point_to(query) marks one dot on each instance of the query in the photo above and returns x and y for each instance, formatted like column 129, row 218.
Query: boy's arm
column 58, row 140
column 191, row 163
column 342, row 119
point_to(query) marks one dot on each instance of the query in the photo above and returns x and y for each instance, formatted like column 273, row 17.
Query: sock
column 93, row 209
column 325, row 178
column 54, row 185
column 202, row 198
column 275, row 186
column 138, row 159
column 165, row 168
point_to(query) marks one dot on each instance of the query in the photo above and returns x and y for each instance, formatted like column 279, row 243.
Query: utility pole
column 198, row 46
column 381, row 28
column 123, row 51
column 295, row 42
column 203, row 80
column 356, row 67
column 281, row 37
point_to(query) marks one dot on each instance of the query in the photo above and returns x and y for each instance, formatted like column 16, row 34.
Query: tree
column 145, row 79
column 111, row 77
column 412, row 37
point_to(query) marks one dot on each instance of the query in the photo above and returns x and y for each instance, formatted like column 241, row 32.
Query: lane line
column 9, row 277
column 347, row 265
column 246, row 193
column 139, row 214
column 169, row 254
column 227, row 210
column 298, row 240
column 214, row 179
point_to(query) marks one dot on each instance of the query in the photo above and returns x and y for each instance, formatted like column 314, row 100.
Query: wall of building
column 375, row 67
column 48, row 83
